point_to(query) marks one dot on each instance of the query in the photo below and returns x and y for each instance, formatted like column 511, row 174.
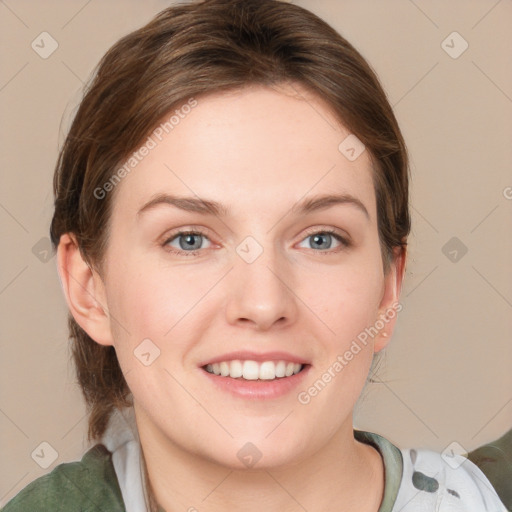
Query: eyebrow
column 210, row 207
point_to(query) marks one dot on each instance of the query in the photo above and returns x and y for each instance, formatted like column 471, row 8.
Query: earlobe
column 84, row 291
column 390, row 305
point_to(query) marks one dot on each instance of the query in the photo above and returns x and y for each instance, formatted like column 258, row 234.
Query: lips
column 246, row 355
column 257, row 389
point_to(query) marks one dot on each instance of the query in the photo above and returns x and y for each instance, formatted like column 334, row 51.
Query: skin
column 257, row 151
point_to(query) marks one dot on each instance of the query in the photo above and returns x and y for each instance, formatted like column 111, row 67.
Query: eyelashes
column 180, row 234
column 189, row 235
column 344, row 241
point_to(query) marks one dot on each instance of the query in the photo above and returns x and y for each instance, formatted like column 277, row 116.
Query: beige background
column 447, row 375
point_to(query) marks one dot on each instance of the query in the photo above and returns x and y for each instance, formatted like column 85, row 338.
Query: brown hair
column 186, row 51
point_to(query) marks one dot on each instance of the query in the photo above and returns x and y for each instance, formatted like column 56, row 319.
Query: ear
column 390, row 305
column 84, row 291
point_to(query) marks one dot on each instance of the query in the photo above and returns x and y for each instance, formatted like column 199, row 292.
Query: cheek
column 151, row 300
column 348, row 307
column 346, row 298
column 150, row 309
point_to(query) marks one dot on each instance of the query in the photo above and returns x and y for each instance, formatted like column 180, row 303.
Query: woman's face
column 264, row 280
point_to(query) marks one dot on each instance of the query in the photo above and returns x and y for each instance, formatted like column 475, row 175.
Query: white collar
column 121, row 438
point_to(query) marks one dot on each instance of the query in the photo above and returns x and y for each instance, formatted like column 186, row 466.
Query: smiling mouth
column 253, row 370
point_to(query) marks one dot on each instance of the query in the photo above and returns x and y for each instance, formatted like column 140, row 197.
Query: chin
column 256, row 453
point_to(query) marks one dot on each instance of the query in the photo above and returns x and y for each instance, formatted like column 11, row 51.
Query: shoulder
column 89, row 485
column 495, row 460
column 441, row 482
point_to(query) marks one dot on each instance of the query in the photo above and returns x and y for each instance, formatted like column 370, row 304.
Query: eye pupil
column 319, row 236
column 189, row 241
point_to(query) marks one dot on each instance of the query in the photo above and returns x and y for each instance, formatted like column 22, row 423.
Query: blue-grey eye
column 323, row 240
column 187, row 241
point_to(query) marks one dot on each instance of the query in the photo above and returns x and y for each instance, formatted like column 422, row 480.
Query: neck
column 344, row 472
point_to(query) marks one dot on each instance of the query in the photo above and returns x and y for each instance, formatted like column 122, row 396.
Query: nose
column 260, row 293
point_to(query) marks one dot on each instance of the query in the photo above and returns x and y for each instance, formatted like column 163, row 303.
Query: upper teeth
column 252, row 370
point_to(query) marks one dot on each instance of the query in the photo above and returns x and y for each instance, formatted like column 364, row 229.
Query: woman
column 231, row 222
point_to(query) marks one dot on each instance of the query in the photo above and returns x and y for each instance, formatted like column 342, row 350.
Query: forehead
column 251, row 149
